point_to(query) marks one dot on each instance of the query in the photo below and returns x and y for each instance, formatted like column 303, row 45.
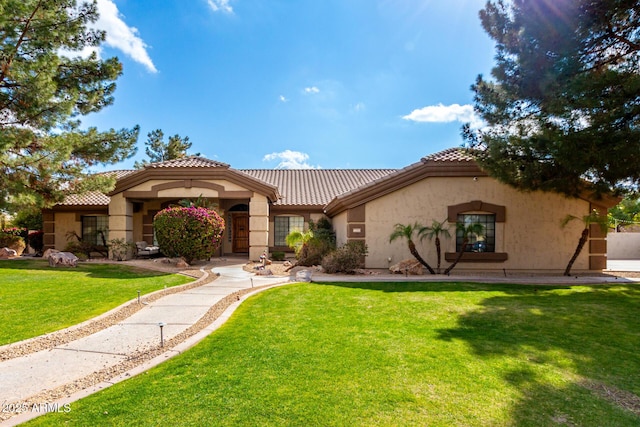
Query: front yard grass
column 36, row 299
column 391, row 354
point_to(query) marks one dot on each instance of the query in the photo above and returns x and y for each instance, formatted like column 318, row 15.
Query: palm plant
column 593, row 218
column 297, row 240
column 437, row 228
column 467, row 230
column 407, row 232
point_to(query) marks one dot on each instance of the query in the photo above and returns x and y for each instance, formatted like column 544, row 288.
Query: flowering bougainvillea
column 189, row 232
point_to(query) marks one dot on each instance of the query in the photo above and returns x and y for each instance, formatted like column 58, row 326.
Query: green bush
column 312, row 245
column 120, row 248
column 36, row 240
column 28, row 219
column 81, row 249
column 188, row 232
column 12, row 241
column 277, row 256
column 345, row 259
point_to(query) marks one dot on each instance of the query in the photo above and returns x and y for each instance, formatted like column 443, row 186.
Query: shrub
column 277, row 256
column 312, row 245
column 83, row 247
column 28, row 219
column 345, row 259
column 36, row 240
column 120, row 248
column 16, row 231
column 12, row 241
column 188, row 232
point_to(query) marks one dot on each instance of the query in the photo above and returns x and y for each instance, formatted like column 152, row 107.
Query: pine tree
column 160, row 151
column 45, row 86
column 562, row 110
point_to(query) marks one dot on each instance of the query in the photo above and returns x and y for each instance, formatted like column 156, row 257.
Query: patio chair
column 144, row 250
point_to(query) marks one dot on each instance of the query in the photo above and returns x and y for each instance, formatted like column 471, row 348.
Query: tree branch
column 7, row 64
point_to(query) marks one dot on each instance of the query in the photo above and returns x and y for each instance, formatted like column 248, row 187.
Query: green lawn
column 436, row 354
column 37, row 299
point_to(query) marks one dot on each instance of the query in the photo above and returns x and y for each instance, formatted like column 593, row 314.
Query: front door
column 240, row 233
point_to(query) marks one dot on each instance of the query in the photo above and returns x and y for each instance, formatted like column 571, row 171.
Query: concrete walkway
column 33, row 375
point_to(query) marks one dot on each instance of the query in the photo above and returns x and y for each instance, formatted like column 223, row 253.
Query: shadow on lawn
column 105, row 271
column 587, row 334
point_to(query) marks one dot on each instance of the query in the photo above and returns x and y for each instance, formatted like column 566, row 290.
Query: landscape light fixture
column 161, row 324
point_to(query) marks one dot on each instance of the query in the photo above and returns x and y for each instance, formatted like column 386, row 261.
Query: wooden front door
column 240, row 233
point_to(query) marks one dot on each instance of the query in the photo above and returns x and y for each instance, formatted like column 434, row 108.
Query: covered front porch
column 241, row 200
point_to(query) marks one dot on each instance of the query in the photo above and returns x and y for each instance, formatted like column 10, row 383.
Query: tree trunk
column 438, row 254
column 465, row 242
column 416, row 255
column 583, row 240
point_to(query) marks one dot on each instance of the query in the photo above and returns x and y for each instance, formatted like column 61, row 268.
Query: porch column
column 258, row 226
column 121, row 219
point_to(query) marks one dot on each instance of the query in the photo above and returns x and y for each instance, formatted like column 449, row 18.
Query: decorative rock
column 63, row 259
column 408, row 266
column 264, row 272
column 182, row 264
column 7, row 253
column 48, row 253
column 287, row 264
column 303, row 276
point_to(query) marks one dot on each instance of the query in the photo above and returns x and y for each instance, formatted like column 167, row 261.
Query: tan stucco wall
column 531, row 235
column 182, row 192
column 258, row 227
column 340, row 226
column 65, row 222
column 120, row 218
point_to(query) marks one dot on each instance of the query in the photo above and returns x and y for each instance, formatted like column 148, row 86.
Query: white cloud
column 121, row 36
column 290, row 160
column 283, row 99
column 446, row 113
column 220, row 6
column 311, row 89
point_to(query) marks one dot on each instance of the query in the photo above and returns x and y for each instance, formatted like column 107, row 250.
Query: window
column 283, row 225
column 94, row 228
column 484, row 242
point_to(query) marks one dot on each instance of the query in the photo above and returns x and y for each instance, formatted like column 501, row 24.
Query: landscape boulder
column 407, row 266
column 8, row 253
column 303, row 276
column 63, row 259
column 182, row 263
column 48, row 253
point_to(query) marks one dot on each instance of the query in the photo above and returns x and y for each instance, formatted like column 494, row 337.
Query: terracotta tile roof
column 449, row 155
column 92, row 198
column 305, row 187
column 95, row 198
column 298, row 187
column 188, row 162
column 122, row 173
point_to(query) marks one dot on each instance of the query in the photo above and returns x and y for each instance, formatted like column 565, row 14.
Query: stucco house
column 260, row 207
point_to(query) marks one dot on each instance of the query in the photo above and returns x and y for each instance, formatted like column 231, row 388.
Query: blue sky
column 296, row 83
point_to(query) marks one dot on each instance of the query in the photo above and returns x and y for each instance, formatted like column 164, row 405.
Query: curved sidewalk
column 27, row 379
